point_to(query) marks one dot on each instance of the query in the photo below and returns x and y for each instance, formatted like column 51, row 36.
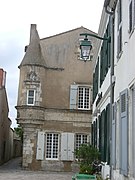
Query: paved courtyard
column 12, row 171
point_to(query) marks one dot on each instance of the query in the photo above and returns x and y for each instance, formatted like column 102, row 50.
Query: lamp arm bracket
column 98, row 37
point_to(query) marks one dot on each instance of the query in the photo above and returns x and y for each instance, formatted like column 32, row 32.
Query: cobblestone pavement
column 12, row 171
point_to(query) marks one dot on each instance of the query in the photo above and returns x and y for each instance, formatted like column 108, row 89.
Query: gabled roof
column 47, row 51
column 68, row 32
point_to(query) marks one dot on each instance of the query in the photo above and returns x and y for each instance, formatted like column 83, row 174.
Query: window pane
column 78, row 141
column 84, row 139
column 30, row 100
column 31, row 92
column 48, row 145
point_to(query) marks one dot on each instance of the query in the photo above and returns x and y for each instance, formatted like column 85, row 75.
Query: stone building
column 54, row 100
column 6, row 140
column 17, row 143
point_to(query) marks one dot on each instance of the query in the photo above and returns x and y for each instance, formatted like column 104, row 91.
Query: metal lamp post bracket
column 98, row 37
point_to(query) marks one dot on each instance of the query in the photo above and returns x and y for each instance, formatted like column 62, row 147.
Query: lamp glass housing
column 85, row 47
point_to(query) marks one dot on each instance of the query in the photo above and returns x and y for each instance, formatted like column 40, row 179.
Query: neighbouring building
column 101, row 90
column 6, row 133
column 54, row 100
column 114, row 90
column 17, row 145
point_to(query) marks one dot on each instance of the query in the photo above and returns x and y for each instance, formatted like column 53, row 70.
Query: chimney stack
column 33, row 29
column 2, row 78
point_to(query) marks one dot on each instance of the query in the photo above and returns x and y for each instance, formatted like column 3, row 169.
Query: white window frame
column 52, row 144
column 131, row 15
column 81, row 139
column 81, row 100
column 33, row 97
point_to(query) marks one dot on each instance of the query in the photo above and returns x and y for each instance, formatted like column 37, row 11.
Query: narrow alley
column 12, row 171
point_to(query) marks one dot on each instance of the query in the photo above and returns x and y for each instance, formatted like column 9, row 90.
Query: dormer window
column 30, row 97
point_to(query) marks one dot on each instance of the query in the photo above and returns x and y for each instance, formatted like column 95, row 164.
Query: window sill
column 49, row 159
column 84, row 109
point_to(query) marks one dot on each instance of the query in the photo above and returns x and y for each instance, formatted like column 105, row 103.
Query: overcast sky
column 52, row 17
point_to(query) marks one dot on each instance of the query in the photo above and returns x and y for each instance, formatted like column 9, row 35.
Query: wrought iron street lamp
column 86, row 44
column 85, row 47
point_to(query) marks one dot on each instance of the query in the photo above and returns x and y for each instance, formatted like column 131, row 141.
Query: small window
column 84, row 98
column 52, row 142
column 30, row 97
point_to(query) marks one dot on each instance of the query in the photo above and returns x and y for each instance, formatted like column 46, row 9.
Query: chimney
column 33, row 29
column 2, row 78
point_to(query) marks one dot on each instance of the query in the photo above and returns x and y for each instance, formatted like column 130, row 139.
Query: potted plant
column 86, row 155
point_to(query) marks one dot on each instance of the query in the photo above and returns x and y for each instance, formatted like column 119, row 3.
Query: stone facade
column 54, row 100
column 6, row 133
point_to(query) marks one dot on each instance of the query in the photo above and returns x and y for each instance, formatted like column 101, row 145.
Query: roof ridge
column 67, row 32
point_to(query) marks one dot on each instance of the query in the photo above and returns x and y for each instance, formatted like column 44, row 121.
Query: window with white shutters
column 80, row 97
column 52, row 146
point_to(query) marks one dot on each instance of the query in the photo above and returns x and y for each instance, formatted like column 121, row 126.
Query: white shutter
column 73, row 96
column 64, row 146
column 67, row 146
column 123, row 133
column 40, row 146
column 70, row 146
